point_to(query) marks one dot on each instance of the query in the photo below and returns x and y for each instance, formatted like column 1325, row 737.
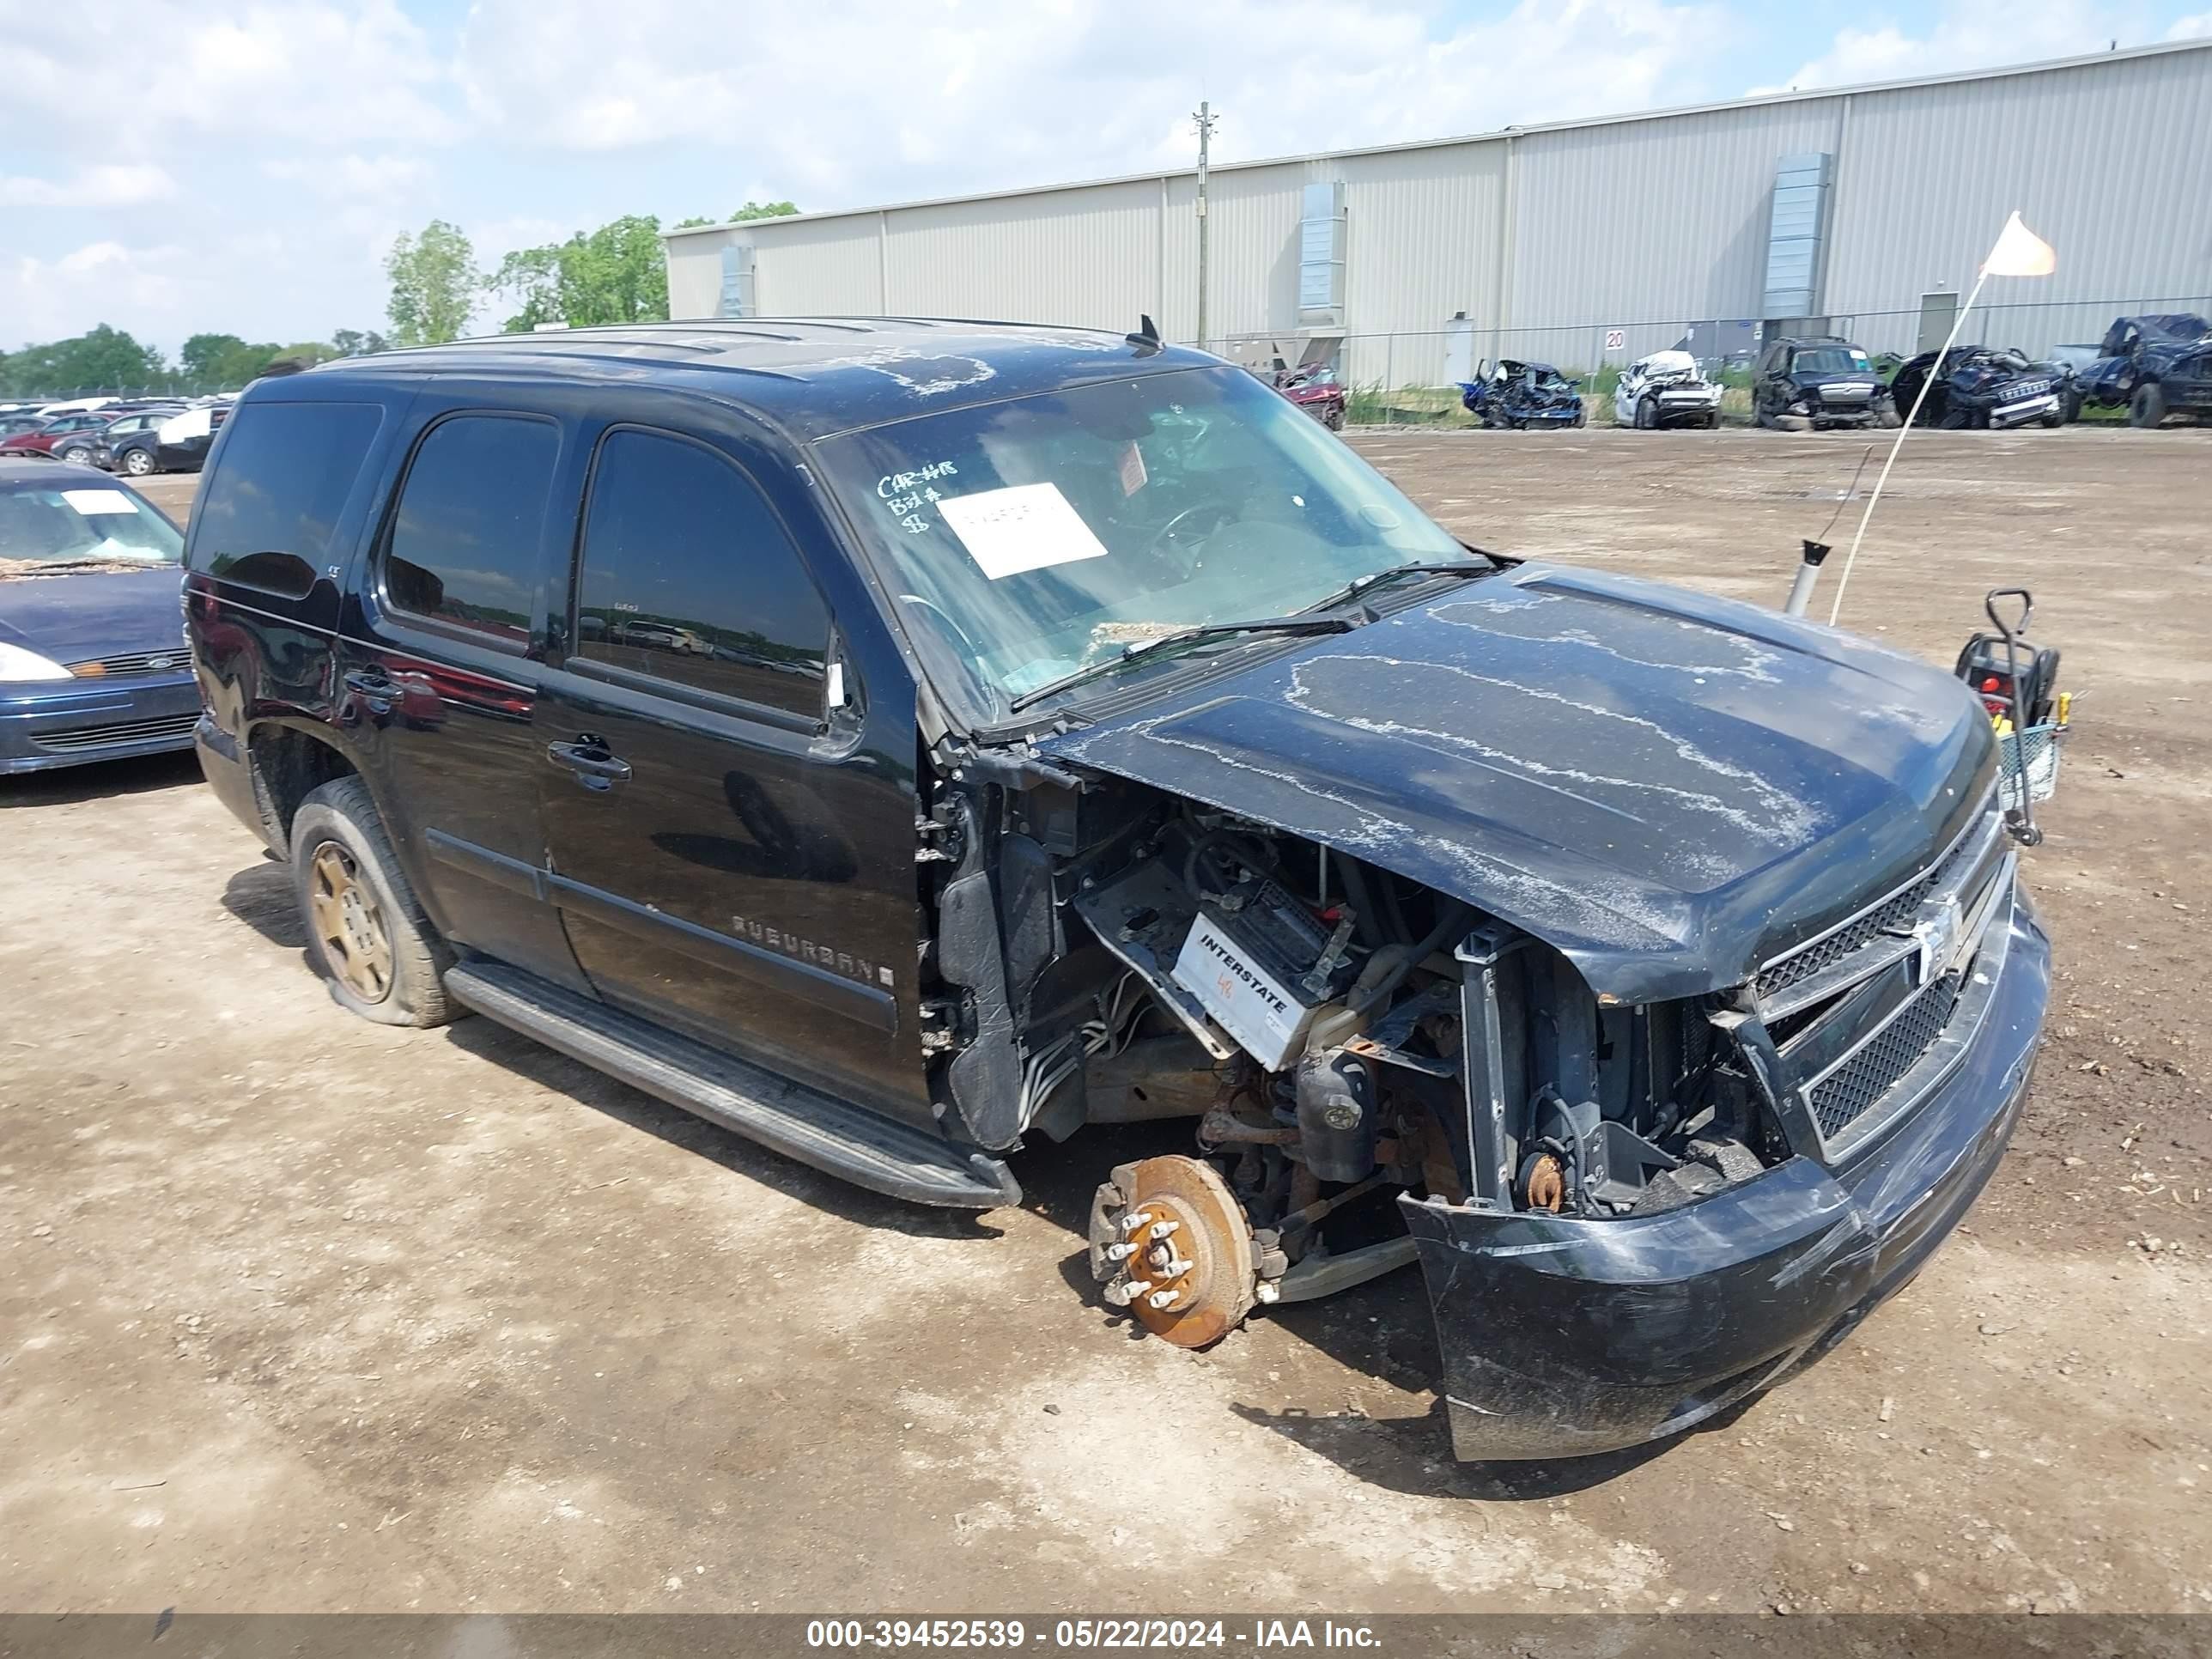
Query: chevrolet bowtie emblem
column 1938, row 934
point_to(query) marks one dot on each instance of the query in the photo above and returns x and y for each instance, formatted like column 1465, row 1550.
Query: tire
column 1764, row 416
column 1713, row 421
column 354, row 898
column 1889, row 419
column 138, row 462
column 2054, row 420
column 1647, row 416
column 2146, row 407
column 1581, row 415
column 2071, row 410
column 1333, row 420
column 1952, row 420
column 78, row 454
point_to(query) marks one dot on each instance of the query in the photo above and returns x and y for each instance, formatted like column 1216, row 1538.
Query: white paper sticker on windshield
column 1023, row 528
column 89, row 502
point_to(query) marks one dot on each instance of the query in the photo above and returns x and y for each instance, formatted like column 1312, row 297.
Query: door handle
column 372, row 686
column 587, row 758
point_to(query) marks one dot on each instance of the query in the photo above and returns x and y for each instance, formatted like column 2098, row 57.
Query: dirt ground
column 300, row 1313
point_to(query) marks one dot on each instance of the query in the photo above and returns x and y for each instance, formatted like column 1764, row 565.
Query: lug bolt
column 1120, row 1252
column 1268, row 1290
column 1164, row 1229
column 1163, row 1299
column 1176, row 1267
column 1141, row 1219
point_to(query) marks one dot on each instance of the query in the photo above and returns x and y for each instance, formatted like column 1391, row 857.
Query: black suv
column 905, row 743
column 1818, row 382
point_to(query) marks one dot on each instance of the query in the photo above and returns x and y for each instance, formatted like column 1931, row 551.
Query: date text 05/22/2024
column 1087, row 1635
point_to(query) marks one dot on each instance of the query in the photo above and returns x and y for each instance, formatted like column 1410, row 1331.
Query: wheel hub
column 348, row 922
column 1172, row 1244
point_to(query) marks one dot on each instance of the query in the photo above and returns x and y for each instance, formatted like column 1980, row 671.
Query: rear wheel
column 76, row 453
column 137, row 463
column 367, row 935
column 2147, row 407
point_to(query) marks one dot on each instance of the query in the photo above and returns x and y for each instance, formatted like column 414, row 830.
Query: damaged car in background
column 1979, row 388
column 1668, row 388
column 1515, row 395
column 1650, row 968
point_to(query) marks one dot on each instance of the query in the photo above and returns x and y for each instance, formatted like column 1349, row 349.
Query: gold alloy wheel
column 348, row 922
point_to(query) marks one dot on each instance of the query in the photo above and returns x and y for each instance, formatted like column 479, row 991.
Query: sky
column 177, row 165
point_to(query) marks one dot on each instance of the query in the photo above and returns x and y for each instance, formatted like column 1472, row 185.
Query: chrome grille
column 1892, row 915
column 133, row 662
column 179, row 726
column 1841, row 1098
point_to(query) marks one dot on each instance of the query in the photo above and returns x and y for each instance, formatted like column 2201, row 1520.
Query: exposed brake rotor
column 1170, row 1242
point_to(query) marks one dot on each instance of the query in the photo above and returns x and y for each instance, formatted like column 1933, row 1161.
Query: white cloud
column 138, row 289
column 1969, row 34
column 841, row 104
column 312, row 71
column 2193, row 28
column 103, row 185
column 351, row 177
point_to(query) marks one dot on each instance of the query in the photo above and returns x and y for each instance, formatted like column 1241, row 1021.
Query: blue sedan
column 93, row 661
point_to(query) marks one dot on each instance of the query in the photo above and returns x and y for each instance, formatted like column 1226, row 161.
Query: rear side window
column 281, row 483
column 464, row 542
column 689, row 576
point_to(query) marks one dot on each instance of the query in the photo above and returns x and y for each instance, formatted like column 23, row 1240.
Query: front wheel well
column 289, row 765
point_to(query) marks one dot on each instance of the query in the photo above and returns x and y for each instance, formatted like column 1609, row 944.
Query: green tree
column 750, row 210
column 354, row 343
column 434, row 284
column 201, row 357
column 616, row 274
column 104, row 359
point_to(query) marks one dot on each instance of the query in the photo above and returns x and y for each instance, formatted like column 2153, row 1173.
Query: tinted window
column 688, row 576
column 463, row 546
column 281, row 483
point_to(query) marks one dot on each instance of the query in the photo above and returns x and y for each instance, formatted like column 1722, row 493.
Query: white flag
column 2020, row 253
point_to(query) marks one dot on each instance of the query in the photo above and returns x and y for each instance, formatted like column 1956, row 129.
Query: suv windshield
column 47, row 525
column 1830, row 360
column 1029, row 538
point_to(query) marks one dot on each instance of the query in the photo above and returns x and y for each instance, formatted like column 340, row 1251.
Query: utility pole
column 1205, row 117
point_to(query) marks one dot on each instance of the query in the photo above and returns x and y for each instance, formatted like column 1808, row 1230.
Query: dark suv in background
column 910, row 743
column 1817, row 382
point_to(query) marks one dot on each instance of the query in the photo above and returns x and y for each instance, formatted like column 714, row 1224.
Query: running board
column 817, row 1129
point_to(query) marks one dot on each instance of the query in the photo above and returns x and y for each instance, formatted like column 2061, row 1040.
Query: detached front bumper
column 49, row 723
column 1563, row 1337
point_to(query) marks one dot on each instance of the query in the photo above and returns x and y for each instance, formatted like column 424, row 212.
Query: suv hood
column 1671, row 789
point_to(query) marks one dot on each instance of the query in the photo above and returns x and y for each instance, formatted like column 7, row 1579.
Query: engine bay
column 1341, row 1036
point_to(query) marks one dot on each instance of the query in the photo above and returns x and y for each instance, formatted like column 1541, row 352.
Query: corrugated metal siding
column 695, row 275
column 1085, row 256
column 2110, row 163
column 1422, row 242
column 1645, row 225
column 1653, row 222
column 830, row 267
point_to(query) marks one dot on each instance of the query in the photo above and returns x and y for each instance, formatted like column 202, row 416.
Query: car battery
column 1262, row 964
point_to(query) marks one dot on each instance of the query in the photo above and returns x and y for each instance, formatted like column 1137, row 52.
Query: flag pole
column 1934, row 372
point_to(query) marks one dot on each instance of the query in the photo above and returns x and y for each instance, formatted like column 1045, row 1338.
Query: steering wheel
column 1163, row 537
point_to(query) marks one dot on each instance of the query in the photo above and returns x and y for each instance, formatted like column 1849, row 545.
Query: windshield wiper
column 1305, row 623
column 1359, row 585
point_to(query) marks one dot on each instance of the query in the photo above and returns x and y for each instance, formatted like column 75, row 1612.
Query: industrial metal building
column 1575, row 242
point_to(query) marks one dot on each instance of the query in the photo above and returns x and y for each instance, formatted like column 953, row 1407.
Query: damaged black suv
column 904, row 743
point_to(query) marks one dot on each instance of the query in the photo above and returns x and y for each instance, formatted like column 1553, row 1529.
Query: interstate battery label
column 1244, row 1000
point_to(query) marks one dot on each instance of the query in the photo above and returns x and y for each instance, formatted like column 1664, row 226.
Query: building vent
column 1321, row 255
column 1793, row 242
column 738, row 281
